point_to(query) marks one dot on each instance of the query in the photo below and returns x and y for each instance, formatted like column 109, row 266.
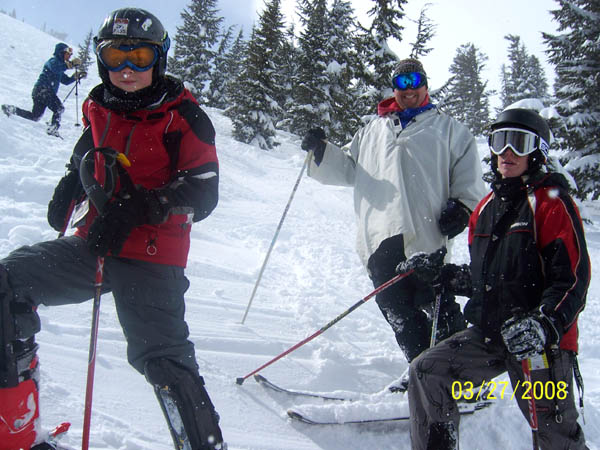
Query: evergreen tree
column 524, row 77
column 312, row 104
column 468, row 98
column 575, row 53
column 440, row 96
column 84, row 52
column 379, row 59
column 425, row 32
column 255, row 110
column 342, row 70
column 233, row 66
column 195, row 43
column 215, row 95
column 289, row 69
column 538, row 84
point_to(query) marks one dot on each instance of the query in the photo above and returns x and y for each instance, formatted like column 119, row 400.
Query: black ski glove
column 68, row 188
column 426, row 267
column 314, row 140
column 454, row 218
column 456, row 279
column 528, row 335
column 110, row 230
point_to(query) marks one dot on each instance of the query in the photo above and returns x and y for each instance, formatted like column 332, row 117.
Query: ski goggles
column 410, row 80
column 521, row 142
column 139, row 57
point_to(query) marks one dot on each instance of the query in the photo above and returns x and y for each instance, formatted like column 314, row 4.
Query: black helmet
column 529, row 120
column 135, row 24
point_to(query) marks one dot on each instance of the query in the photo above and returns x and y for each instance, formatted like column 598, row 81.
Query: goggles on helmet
column 139, row 57
column 410, row 80
column 521, row 142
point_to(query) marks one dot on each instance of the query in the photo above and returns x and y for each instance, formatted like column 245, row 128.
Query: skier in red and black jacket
column 527, row 283
column 142, row 230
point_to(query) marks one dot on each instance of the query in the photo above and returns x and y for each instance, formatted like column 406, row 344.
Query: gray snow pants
column 467, row 357
column 149, row 298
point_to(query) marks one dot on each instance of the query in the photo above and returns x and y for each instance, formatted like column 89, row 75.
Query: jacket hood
column 389, row 105
column 59, row 49
column 553, row 179
column 509, row 188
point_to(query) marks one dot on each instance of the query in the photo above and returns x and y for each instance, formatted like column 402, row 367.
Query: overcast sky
column 482, row 22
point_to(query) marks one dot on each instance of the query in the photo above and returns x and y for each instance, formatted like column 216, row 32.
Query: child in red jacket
column 143, row 229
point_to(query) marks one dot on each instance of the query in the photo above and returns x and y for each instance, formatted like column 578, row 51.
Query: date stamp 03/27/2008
column 492, row 390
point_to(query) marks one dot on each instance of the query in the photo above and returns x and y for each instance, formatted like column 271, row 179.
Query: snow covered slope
column 313, row 275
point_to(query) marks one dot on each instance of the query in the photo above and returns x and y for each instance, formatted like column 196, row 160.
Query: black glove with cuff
column 528, row 335
column 425, row 267
column 68, row 188
column 112, row 227
column 454, row 218
column 314, row 140
column 456, row 279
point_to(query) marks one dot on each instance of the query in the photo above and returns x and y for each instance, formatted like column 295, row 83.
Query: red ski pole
column 385, row 285
column 533, row 421
column 99, row 198
column 89, row 390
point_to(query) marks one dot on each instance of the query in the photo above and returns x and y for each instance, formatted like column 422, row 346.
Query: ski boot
column 52, row 130
column 9, row 110
column 19, row 405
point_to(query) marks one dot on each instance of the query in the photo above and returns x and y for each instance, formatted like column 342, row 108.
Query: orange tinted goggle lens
column 140, row 57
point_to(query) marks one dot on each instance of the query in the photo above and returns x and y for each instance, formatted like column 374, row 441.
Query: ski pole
column 89, row 390
column 533, row 422
column 287, row 207
column 69, row 94
column 436, row 315
column 385, row 285
column 99, row 198
column 67, row 218
column 76, row 98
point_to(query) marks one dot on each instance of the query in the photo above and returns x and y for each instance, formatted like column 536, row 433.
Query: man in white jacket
column 416, row 176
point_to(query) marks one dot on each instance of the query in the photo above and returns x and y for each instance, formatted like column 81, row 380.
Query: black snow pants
column 404, row 304
column 43, row 98
column 149, row 298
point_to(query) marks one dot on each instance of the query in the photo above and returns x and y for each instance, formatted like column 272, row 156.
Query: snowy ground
column 313, row 275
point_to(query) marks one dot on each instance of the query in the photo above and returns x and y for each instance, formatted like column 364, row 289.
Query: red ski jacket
column 171, row 147
column 528, row 249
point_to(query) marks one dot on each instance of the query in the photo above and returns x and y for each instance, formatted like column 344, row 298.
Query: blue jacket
column 53, row 72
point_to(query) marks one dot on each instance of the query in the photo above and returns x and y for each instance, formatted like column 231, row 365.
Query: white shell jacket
column 402, row 178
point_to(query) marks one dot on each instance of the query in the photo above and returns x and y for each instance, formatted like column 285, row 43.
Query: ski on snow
column 268, row 384
column 480, row 398
column 464, row 409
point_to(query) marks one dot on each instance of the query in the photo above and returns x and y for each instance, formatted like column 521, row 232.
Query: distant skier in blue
column 45, row 89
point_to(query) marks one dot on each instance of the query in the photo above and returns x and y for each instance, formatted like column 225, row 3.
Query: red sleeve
column 561, row 242
column 475, row 216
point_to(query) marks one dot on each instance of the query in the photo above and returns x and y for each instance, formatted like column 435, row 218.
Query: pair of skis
column 464, row 408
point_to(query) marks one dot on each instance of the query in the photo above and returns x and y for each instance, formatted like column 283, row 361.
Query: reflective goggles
column 139, row 57
column 411, row 80
column 521, row 142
